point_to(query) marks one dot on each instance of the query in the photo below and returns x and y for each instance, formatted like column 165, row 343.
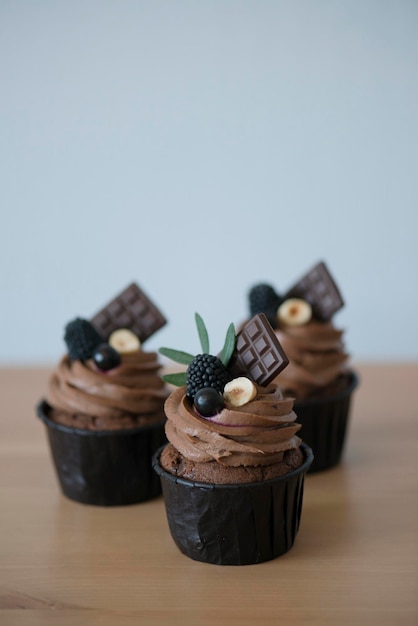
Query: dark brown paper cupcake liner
column 238, row 524
column 325, row 425
column 105, row 468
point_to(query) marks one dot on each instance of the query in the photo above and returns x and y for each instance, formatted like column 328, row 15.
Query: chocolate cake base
column 213, row 472
column 104, row 468
column 94, row 422
column 234, row 524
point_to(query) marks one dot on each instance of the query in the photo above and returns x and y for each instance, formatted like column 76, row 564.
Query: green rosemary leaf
column 229, row 345
column 203, row 333
column 178, row 379
column 177, row 355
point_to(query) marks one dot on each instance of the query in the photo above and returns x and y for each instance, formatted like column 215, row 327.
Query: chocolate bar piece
column 258, row 352
column 130, row 309
column 319, row 289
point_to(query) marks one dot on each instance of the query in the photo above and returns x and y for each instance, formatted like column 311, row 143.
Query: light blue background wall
column 198, row 147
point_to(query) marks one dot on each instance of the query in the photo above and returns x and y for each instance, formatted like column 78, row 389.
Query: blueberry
column 106, row 357
column 208, row 401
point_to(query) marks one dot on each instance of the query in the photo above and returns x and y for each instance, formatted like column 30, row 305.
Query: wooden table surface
column 355, row 559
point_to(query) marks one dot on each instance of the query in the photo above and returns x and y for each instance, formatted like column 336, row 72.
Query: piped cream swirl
column 257, row 433
column 132, row 388
column 316, row 358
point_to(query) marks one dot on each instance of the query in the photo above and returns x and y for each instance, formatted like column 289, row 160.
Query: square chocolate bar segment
column 130, row 309
column 258, row 352
column 319, row 289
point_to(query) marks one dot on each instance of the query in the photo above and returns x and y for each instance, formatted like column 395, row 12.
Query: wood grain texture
column 355, row 560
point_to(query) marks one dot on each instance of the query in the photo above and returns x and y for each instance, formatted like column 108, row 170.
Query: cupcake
column 319, row 376
column 103, row 409
column 233, row 470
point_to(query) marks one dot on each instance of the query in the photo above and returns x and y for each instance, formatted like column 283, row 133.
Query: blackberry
column 206, row 370
column 263, row 299
column 82, row 339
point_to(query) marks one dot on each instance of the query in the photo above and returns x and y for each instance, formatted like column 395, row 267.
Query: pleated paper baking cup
column 325, row 425
column 105, row 468
column 237, row 524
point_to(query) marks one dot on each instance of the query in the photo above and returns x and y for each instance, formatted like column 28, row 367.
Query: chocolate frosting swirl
column 257, row 433
column 316, row 358
column 132, row 388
